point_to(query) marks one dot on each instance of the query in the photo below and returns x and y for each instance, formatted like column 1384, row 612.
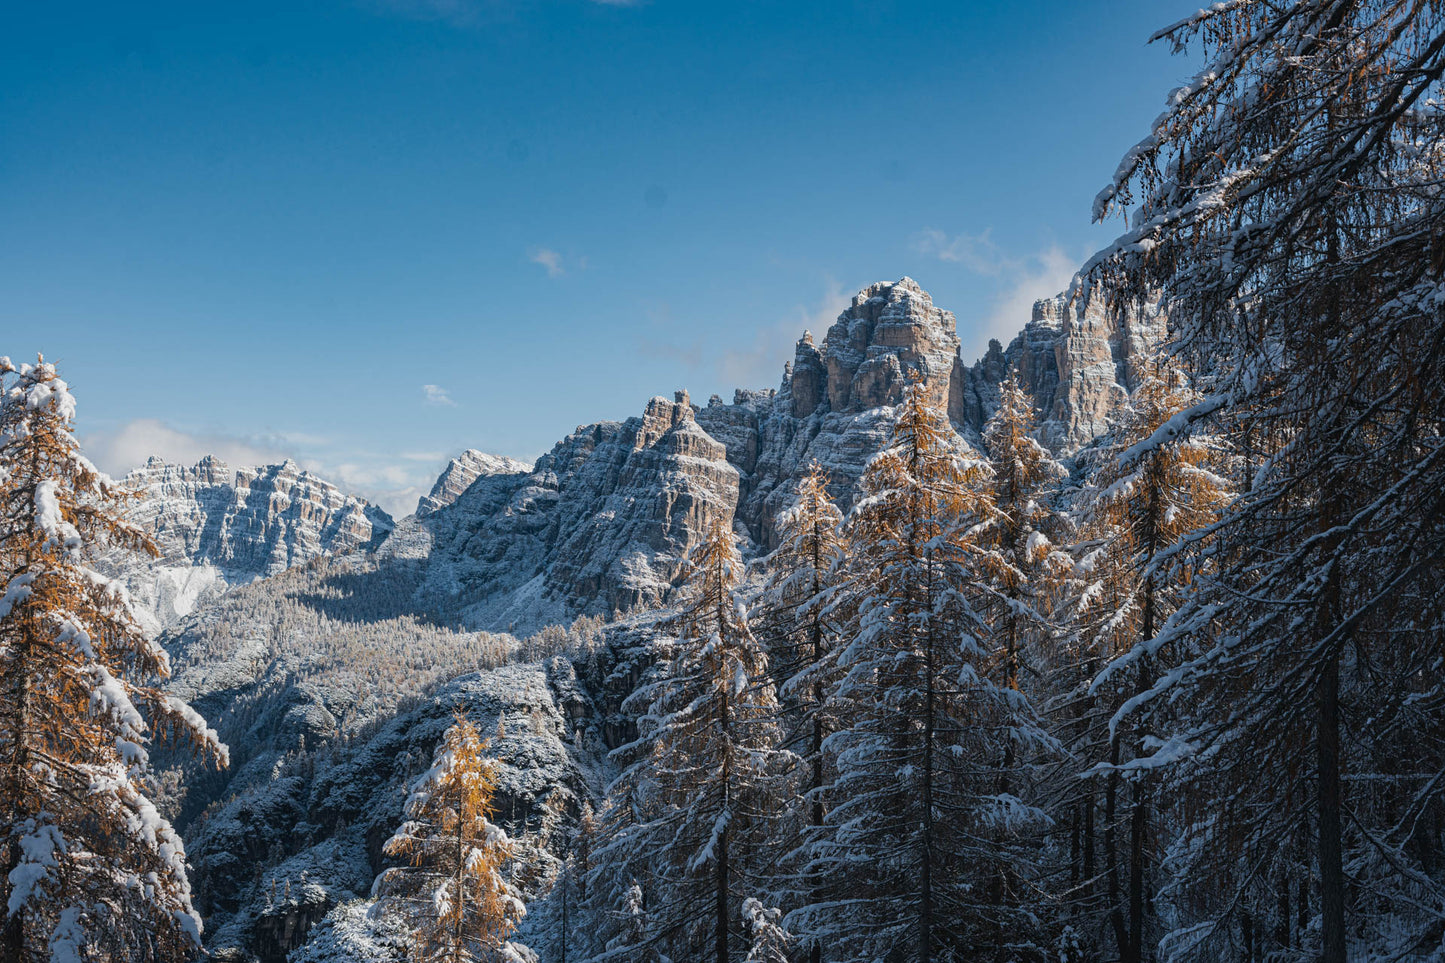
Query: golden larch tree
column 91, row 870
column 453, row 890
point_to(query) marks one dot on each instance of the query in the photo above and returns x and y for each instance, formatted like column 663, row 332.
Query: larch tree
column 1138, row 512
column 918, row 832
column 1023, row 576
column 1290, row 202
column 800, row 608
column 453, row 890
column 1025, row 567
column 689, row 817
column 91, row 870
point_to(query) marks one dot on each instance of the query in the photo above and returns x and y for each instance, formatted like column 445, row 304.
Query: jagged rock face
column 1079, row 363
column 891, row 330
column 459, row 474
column 217, row 528
column 602, row 522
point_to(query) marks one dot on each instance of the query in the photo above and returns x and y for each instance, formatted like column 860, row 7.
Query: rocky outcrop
column 1079, row 361
column 603, row 522
column 459, row 474
column 216, row 528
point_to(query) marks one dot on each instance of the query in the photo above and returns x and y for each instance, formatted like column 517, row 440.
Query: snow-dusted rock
column 1078, row 362
column 216, row 528
column 459, row 474
column 602, row 522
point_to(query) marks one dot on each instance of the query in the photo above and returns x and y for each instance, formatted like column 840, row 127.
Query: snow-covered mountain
column 603, row 521
column 216, row 528
column 459, row 474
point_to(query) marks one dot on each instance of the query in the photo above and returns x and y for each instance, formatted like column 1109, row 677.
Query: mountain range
column 329, row 643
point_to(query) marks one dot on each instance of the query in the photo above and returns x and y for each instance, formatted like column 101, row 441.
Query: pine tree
column 918, row 832
column 453, row 892
column 91, row 869
column 800, row 606
column 1026, row 569
column 1290, row 211
column 689, row 816
column 1025, row 574
column 767, row 938
column 1139, row 510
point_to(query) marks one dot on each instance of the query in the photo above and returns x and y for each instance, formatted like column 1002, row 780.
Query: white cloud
column 550, row 260
column 1041, row 276
column 117, row 452
column 977, row 252
column 393, row 482
column 437, row 396
column 761, row 364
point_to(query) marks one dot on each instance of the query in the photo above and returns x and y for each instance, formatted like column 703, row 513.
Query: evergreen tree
column 1138, row 512
column 91, row 869
column 918, row 834
column 800, row 606
column 453, row 892
column 1290, row 210
column 768, row 940
column 690, row 816
column 1025, row 568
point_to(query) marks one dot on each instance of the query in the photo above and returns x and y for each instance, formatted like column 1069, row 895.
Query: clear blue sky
column 264, row 228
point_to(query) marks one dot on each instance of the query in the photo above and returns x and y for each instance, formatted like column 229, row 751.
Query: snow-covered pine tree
column 768, row 941
column 1026, row 569
column 1291, row 210
column 91, row 869
column 799, row 609
column 918, row 834
column 1130, row 579
column 690, row 816
column 453, row 891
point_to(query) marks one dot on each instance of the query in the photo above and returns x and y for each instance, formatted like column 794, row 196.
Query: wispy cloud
column 977, row 252
column 549, row 259
column 393, row 482
column 761, row 363
column 119, row 450
column 437, row 396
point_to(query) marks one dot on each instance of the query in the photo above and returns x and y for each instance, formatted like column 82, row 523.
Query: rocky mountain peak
column 892, row 331
column 459, row 474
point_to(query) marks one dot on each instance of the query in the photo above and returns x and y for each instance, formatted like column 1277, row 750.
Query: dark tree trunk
column 1332, row 870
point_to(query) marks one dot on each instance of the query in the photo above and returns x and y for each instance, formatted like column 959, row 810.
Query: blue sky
column 369, row 234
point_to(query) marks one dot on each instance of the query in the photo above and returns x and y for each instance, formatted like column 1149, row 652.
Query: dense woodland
column 1182, row 698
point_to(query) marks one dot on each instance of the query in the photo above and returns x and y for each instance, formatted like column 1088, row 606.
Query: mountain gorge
column 329, row 644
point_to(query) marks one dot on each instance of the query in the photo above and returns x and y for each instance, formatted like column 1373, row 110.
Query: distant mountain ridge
column 330, row 679
column 217, row 527
column 603, row 522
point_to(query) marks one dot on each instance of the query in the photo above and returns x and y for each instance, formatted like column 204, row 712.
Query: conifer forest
column 1124, row 644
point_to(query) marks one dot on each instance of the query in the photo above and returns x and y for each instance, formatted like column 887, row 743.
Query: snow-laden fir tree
column 1138, row 509
column 690, row 818
column 768, row 941
column 453, row 890
column 91, row 871
column 1026, row 570
column 919, row 836
column 1290, row 206
column 800, row 607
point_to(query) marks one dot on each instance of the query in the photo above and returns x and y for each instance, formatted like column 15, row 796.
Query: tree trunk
column 925, row 910
column 1332, row 871
column 1111, row 851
